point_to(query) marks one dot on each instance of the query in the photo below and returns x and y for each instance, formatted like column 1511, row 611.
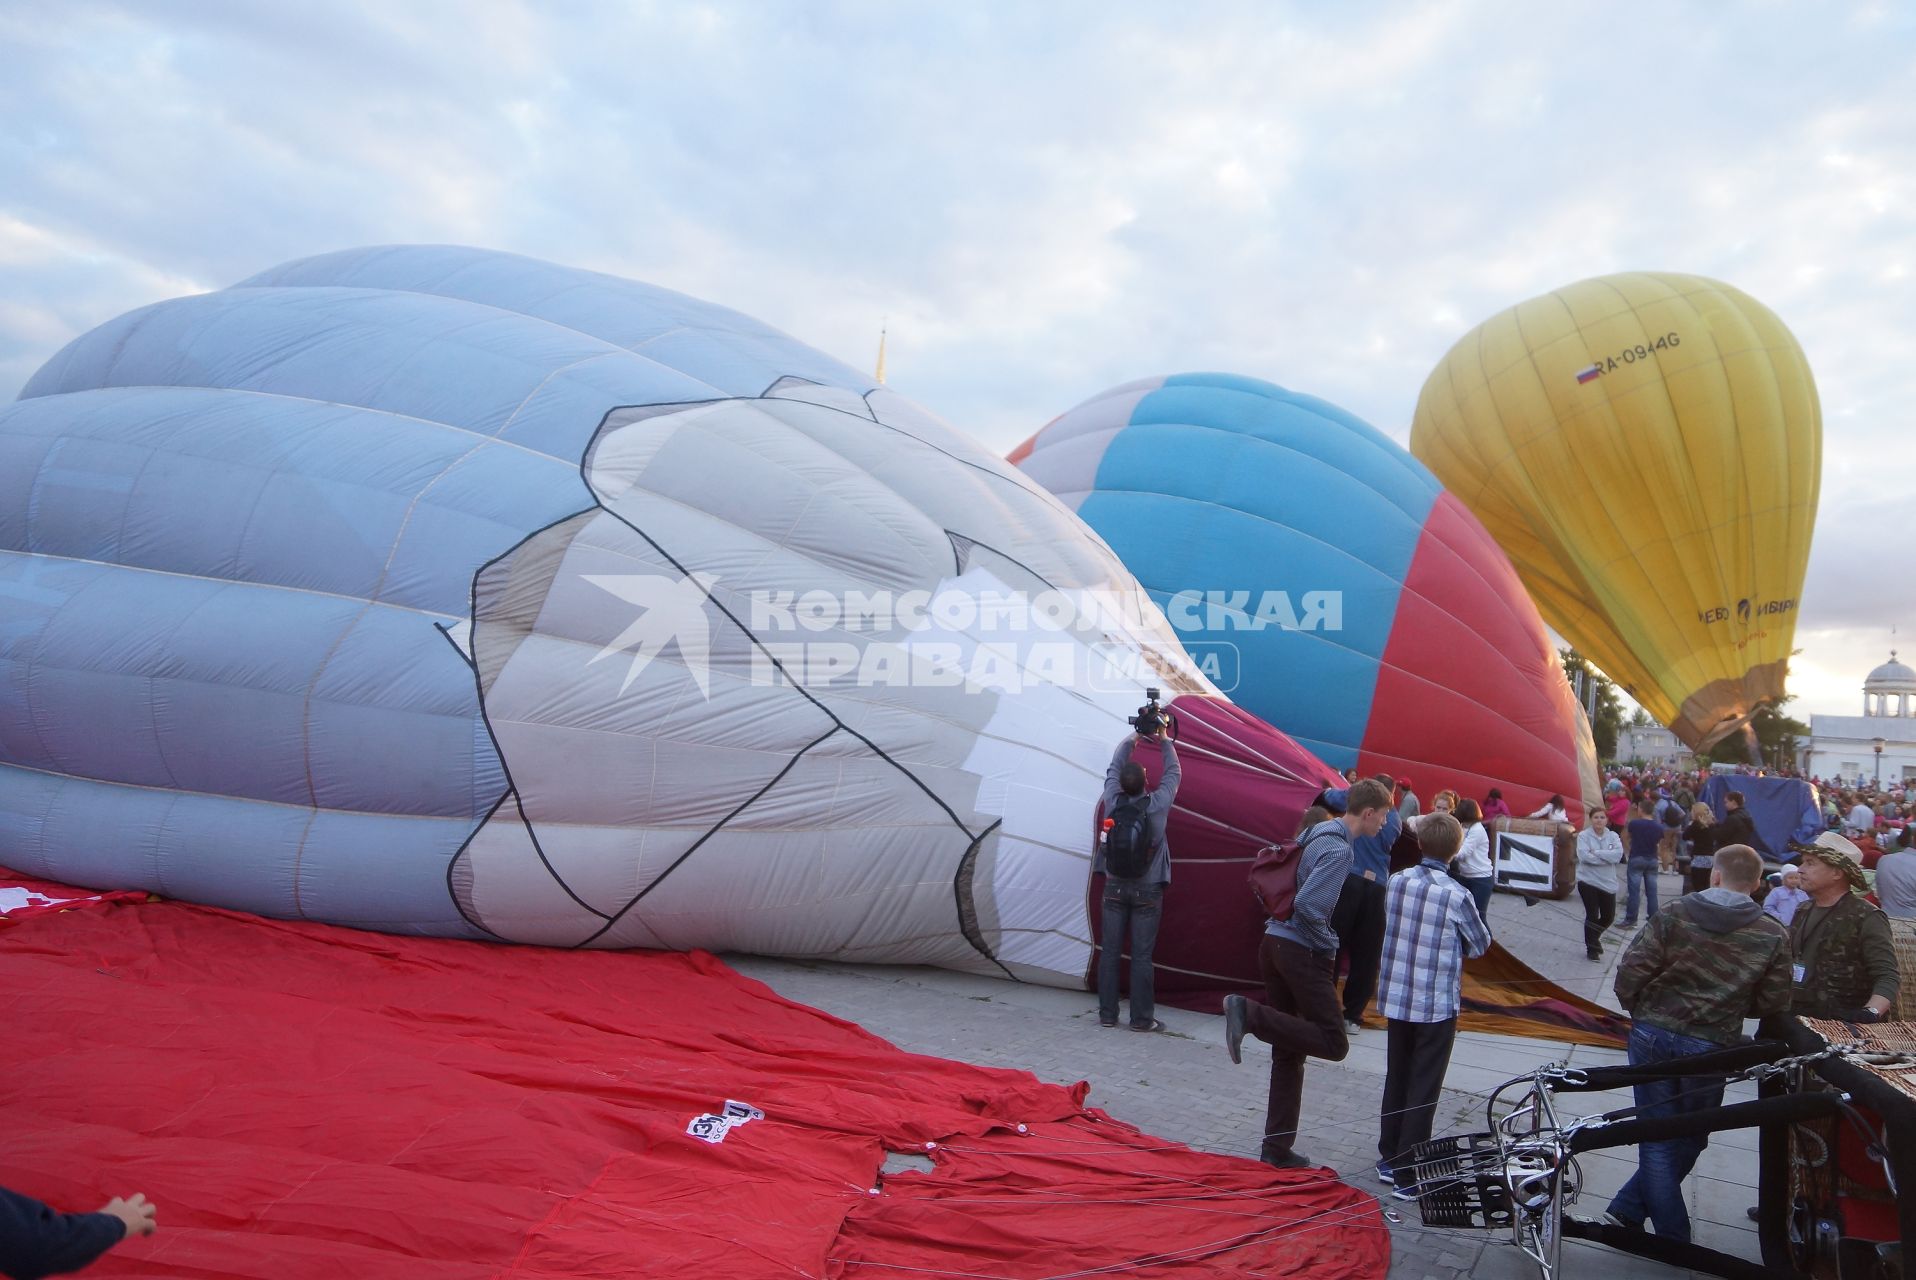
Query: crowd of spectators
column 1879, row 820
column 1744, row 940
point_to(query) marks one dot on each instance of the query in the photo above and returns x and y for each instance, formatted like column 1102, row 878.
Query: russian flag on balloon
column 1367, row 613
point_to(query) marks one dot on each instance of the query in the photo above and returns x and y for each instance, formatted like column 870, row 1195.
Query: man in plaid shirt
column 1430, row 925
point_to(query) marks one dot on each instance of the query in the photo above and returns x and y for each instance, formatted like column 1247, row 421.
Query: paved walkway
column 1182, row 1085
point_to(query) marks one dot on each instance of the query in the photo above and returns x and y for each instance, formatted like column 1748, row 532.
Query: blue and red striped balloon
column 1326, row 580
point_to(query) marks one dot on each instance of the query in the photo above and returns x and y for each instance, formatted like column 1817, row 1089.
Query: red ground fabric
column 309, row 1101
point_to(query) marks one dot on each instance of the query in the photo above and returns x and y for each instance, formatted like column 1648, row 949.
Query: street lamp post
column 1878, row 744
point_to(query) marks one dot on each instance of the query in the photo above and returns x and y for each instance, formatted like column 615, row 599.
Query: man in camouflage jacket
column 1845, row 962
column 1701, row 966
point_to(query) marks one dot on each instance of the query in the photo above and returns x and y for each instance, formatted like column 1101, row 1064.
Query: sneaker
column 1384, row 1174
column 1153, row 1025
column 1404, row 1193
column 1594, row 954
column 1234, row 1007
column 1352, row 1028
column 1289, row 1160
column 1107, row 1022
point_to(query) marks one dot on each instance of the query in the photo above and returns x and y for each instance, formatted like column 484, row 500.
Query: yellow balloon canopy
column 1646, row 448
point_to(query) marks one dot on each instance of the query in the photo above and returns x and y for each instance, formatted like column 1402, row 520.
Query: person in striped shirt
column 1431, row 925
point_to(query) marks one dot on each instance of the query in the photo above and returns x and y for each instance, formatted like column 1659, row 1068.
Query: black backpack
column 1127, row 841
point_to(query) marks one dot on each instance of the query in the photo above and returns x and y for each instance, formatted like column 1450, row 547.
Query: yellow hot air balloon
column 1646, row 448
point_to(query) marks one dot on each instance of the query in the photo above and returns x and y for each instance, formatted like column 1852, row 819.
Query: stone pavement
column 1182, row 1085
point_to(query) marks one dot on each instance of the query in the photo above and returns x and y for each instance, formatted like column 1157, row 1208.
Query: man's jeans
column 1135, row 907
column 1643, row 879
column 1481, row 889
column 1655, row 1190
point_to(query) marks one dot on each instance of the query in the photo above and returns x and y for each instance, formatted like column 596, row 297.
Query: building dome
column 1891, row 677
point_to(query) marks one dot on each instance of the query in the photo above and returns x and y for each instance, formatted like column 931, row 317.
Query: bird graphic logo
column 671, row 613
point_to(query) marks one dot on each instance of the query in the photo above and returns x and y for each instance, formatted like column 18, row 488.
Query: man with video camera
column 1135, row 860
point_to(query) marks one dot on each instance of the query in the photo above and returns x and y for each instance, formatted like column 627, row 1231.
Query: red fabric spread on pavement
column 308, row 1101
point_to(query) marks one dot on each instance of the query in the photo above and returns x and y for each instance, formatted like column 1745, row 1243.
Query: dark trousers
column 1298, row 1018
column 1359, row 922
column 1599, row 909
column 1415, row 1059
column 1136, row 908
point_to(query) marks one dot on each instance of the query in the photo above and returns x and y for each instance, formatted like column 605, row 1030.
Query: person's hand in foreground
column 136, row 1211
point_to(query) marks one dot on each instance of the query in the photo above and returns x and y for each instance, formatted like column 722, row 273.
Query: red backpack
column 1274, row 876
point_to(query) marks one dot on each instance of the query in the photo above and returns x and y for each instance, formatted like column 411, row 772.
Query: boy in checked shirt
column 1431, row 925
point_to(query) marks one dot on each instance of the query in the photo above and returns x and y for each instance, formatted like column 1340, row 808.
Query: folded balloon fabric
column 304, row 1100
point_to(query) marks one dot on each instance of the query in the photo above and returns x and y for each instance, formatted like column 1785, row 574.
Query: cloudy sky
column 1043, row 199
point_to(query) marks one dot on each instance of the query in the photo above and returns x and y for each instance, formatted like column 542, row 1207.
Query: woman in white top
column 1599, row 854
column 1472, row 864
column 1555, row 810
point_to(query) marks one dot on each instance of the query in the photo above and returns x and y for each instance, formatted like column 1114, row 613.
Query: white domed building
column 1880, row 743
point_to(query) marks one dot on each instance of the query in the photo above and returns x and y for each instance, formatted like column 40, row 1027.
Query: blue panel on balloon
column 1230, row 472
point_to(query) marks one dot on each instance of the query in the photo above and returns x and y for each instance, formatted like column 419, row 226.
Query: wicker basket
column 1903, row 934
column 1892, row 1038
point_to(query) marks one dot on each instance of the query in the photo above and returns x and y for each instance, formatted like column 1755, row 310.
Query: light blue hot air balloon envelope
column 1327, row 581
column 448, row 592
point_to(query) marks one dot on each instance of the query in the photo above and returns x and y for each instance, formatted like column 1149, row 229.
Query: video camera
column 1152, row 719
